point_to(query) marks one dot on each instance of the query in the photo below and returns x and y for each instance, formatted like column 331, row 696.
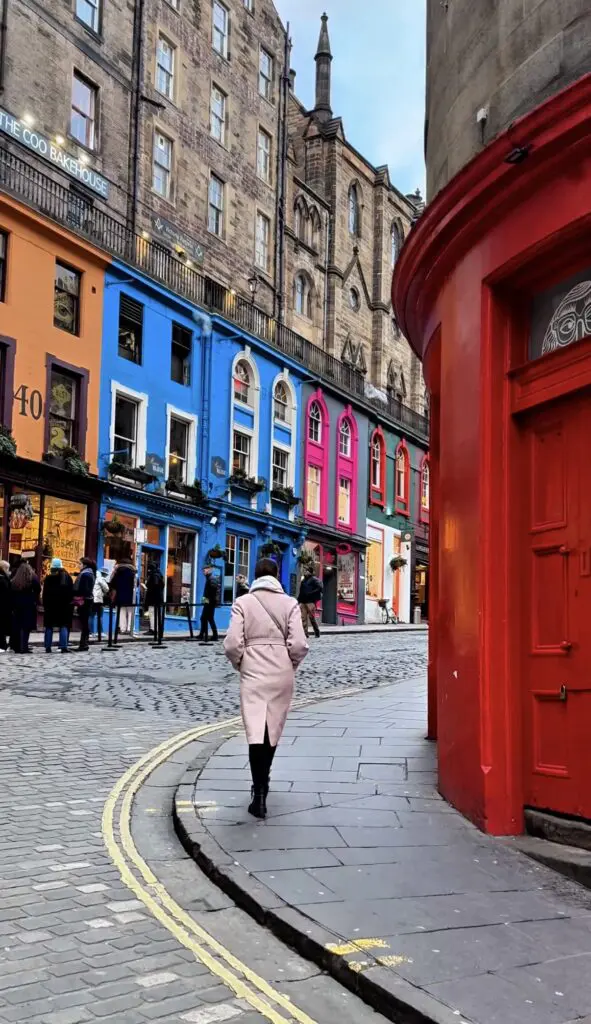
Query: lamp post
column 253, row 284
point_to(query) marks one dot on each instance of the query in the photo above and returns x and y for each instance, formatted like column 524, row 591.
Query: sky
column 378, row 76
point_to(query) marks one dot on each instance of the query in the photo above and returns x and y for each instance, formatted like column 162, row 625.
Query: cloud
column 378, row 75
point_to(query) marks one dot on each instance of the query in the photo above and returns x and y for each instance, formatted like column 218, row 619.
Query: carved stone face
column 571, row 321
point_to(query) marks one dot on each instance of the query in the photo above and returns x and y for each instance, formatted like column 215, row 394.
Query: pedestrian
column 210, row 603
column 308, row 597
column 242, row 586
column 99, row 594
column 58, row 595
column 154, row 593
column 83, row 598
column 122, row 589
column 265, row 643
column 5, row 606
column 25, row 590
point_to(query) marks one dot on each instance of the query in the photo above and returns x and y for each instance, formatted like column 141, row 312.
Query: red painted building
column 493, row 288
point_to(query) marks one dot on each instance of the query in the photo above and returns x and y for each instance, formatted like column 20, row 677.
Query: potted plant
column 7, row 443
column 54, row 458
column 398, row 562
column 216, row 553
column 285, row 495
column 270, row 549
column 74, row 463
column 138, row 474
column 242, row 482
column 306, row 560
column 174, row 486
column 196, row 492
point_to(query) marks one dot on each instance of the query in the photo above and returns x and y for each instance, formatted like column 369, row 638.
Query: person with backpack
column 57, row 598
column 265, row 643
column 310, row 594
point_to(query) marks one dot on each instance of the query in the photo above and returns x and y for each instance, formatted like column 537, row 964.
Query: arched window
column 425, row 489
column 401, row 392
column 396, row 242
column 345, row 439
column 315, row 423
column 316, row 228
column 303, row 296
column 354, row 210
column 301, row 219
column 242, row 383
column 281, row 402
column 402, row 482
column 377, row 486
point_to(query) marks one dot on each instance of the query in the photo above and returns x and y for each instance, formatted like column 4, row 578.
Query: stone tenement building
column 179, row 118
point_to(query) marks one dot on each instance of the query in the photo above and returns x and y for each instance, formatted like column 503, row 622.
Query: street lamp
column 253, row 284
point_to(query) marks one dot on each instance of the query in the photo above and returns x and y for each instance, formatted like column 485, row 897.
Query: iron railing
column 76, row 212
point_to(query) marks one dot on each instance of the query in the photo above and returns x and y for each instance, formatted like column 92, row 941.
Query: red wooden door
column 555, row 588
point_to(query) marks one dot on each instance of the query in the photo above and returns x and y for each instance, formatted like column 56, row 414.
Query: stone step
column 571, row 861
column 556, row 829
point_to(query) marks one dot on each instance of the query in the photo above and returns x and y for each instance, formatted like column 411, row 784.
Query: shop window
column 121, row 544
column 24, row 523
column 126, row 427
column 344, row 501
column 345, row 439
column 242, row 383
column 377, row 495
column 180, row 360
column 178, row 450
column 66, row 301
column 152, row 534
column 63, row 532
column 63, row 410
column 402, row 483
column 3, row 254
column 237, row 564
column 313, row 490
column 241, row 453
column 374, row 570
column 315, row 423
column 131, row 320
column 281, row 402
column 280, row 468
column 347, row 578
column 425, row 489
column 179, row 570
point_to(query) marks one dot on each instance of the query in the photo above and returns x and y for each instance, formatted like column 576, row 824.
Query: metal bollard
column 112, row 644
column 190, row 622
column 159, row 611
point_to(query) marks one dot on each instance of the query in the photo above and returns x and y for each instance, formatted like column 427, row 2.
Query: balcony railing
column 74, row 211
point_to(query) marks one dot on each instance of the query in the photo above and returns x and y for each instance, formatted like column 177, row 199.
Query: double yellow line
column 140, row 879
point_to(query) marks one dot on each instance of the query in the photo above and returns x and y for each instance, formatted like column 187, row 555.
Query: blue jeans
column 63, row 638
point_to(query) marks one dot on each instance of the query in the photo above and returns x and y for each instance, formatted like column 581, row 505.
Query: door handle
column 566, row 646
column 561, row 694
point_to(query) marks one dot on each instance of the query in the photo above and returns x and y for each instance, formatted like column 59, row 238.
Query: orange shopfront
column 494, row 290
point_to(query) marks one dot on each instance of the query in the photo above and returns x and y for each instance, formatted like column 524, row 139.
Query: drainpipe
column 206, row 364
column 3, row 39
column 283, row 138
column 134, row 114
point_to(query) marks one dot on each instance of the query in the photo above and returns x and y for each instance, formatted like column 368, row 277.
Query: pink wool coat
column 266, row 656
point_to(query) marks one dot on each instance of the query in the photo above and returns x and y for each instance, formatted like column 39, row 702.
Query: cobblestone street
column 76, row 944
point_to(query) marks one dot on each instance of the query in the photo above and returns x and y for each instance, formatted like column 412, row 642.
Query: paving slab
column 412, row 907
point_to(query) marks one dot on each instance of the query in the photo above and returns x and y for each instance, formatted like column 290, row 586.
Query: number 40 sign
column 30, row 403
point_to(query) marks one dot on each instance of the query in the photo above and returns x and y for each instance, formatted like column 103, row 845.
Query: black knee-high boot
column 269, row 755
column 257, row 755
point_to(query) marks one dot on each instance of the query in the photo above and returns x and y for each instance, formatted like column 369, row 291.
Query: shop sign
column 218, row 466
column 155, row 465
column 176, row 238
column 140, row 535
column 54, row 154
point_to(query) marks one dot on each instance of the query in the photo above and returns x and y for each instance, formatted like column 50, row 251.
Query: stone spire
column 323, row 58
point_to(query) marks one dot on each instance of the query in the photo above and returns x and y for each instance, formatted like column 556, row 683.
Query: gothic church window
column 354, row 220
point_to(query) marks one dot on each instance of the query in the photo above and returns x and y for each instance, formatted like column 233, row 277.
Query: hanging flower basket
column 216, row 553
column 270, row 549
column 113, row 527
column 397, row 563
column 306, row 560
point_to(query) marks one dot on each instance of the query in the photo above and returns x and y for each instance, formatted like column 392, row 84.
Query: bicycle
column 389, row 616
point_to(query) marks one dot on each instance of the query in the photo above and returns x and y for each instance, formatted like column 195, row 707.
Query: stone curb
column 388, row 994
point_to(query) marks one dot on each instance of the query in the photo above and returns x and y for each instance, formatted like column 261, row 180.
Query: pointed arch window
column 377, row 485
column 316, row 229
column 303, row 296
column 345, row 439
column 242, row 383
column 315, row 423
column 402, row 479
column 396, row 239
column 354, row 210
column 281, row 402
column 425, row 489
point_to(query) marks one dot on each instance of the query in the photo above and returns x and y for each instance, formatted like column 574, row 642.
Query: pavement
column 103, row 915
column 365, row 870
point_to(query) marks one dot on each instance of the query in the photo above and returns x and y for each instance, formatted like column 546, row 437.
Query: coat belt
column 261, row 642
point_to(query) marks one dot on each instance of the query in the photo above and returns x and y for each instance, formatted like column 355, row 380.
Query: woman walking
column 265, row 643
column 83, row 591
column 58, row 594
column 25, row 589
column 5, row 606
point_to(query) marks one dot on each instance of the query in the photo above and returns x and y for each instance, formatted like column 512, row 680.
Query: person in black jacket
column 122, row 585
column 83, row 591
column 58, row 594
column 154, row 593
column 5, row 605
column 242, row 587
column 210, row 603
column 25, row 590
column 308, row 597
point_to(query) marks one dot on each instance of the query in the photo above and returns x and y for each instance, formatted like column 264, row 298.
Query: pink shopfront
column 331, row 457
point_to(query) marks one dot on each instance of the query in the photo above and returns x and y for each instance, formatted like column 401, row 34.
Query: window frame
column 377, row 491
column 262, row 247
column 236, row 395
column 160, row 69
column 92, row 119
column 191, row 422
column 267, row 177
column 169, row 171
column 268, row 81
column 315, row 419
column 225, row 35
column 81, row 376
column 243, row 432
column 130, row 298
column 77, row 317
column 4, row 237
column 142, row 401
column 425, row 508
column 348, row 489
column 284, row 420
column 402, row 501
column 241, row 543
column 7, row 361
column 223, row 119
column 319, row 470
column 97, row 5
column 220, row 211
column 283, row 451
column 346, row 431
column 354, row 211
column 181, row 327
